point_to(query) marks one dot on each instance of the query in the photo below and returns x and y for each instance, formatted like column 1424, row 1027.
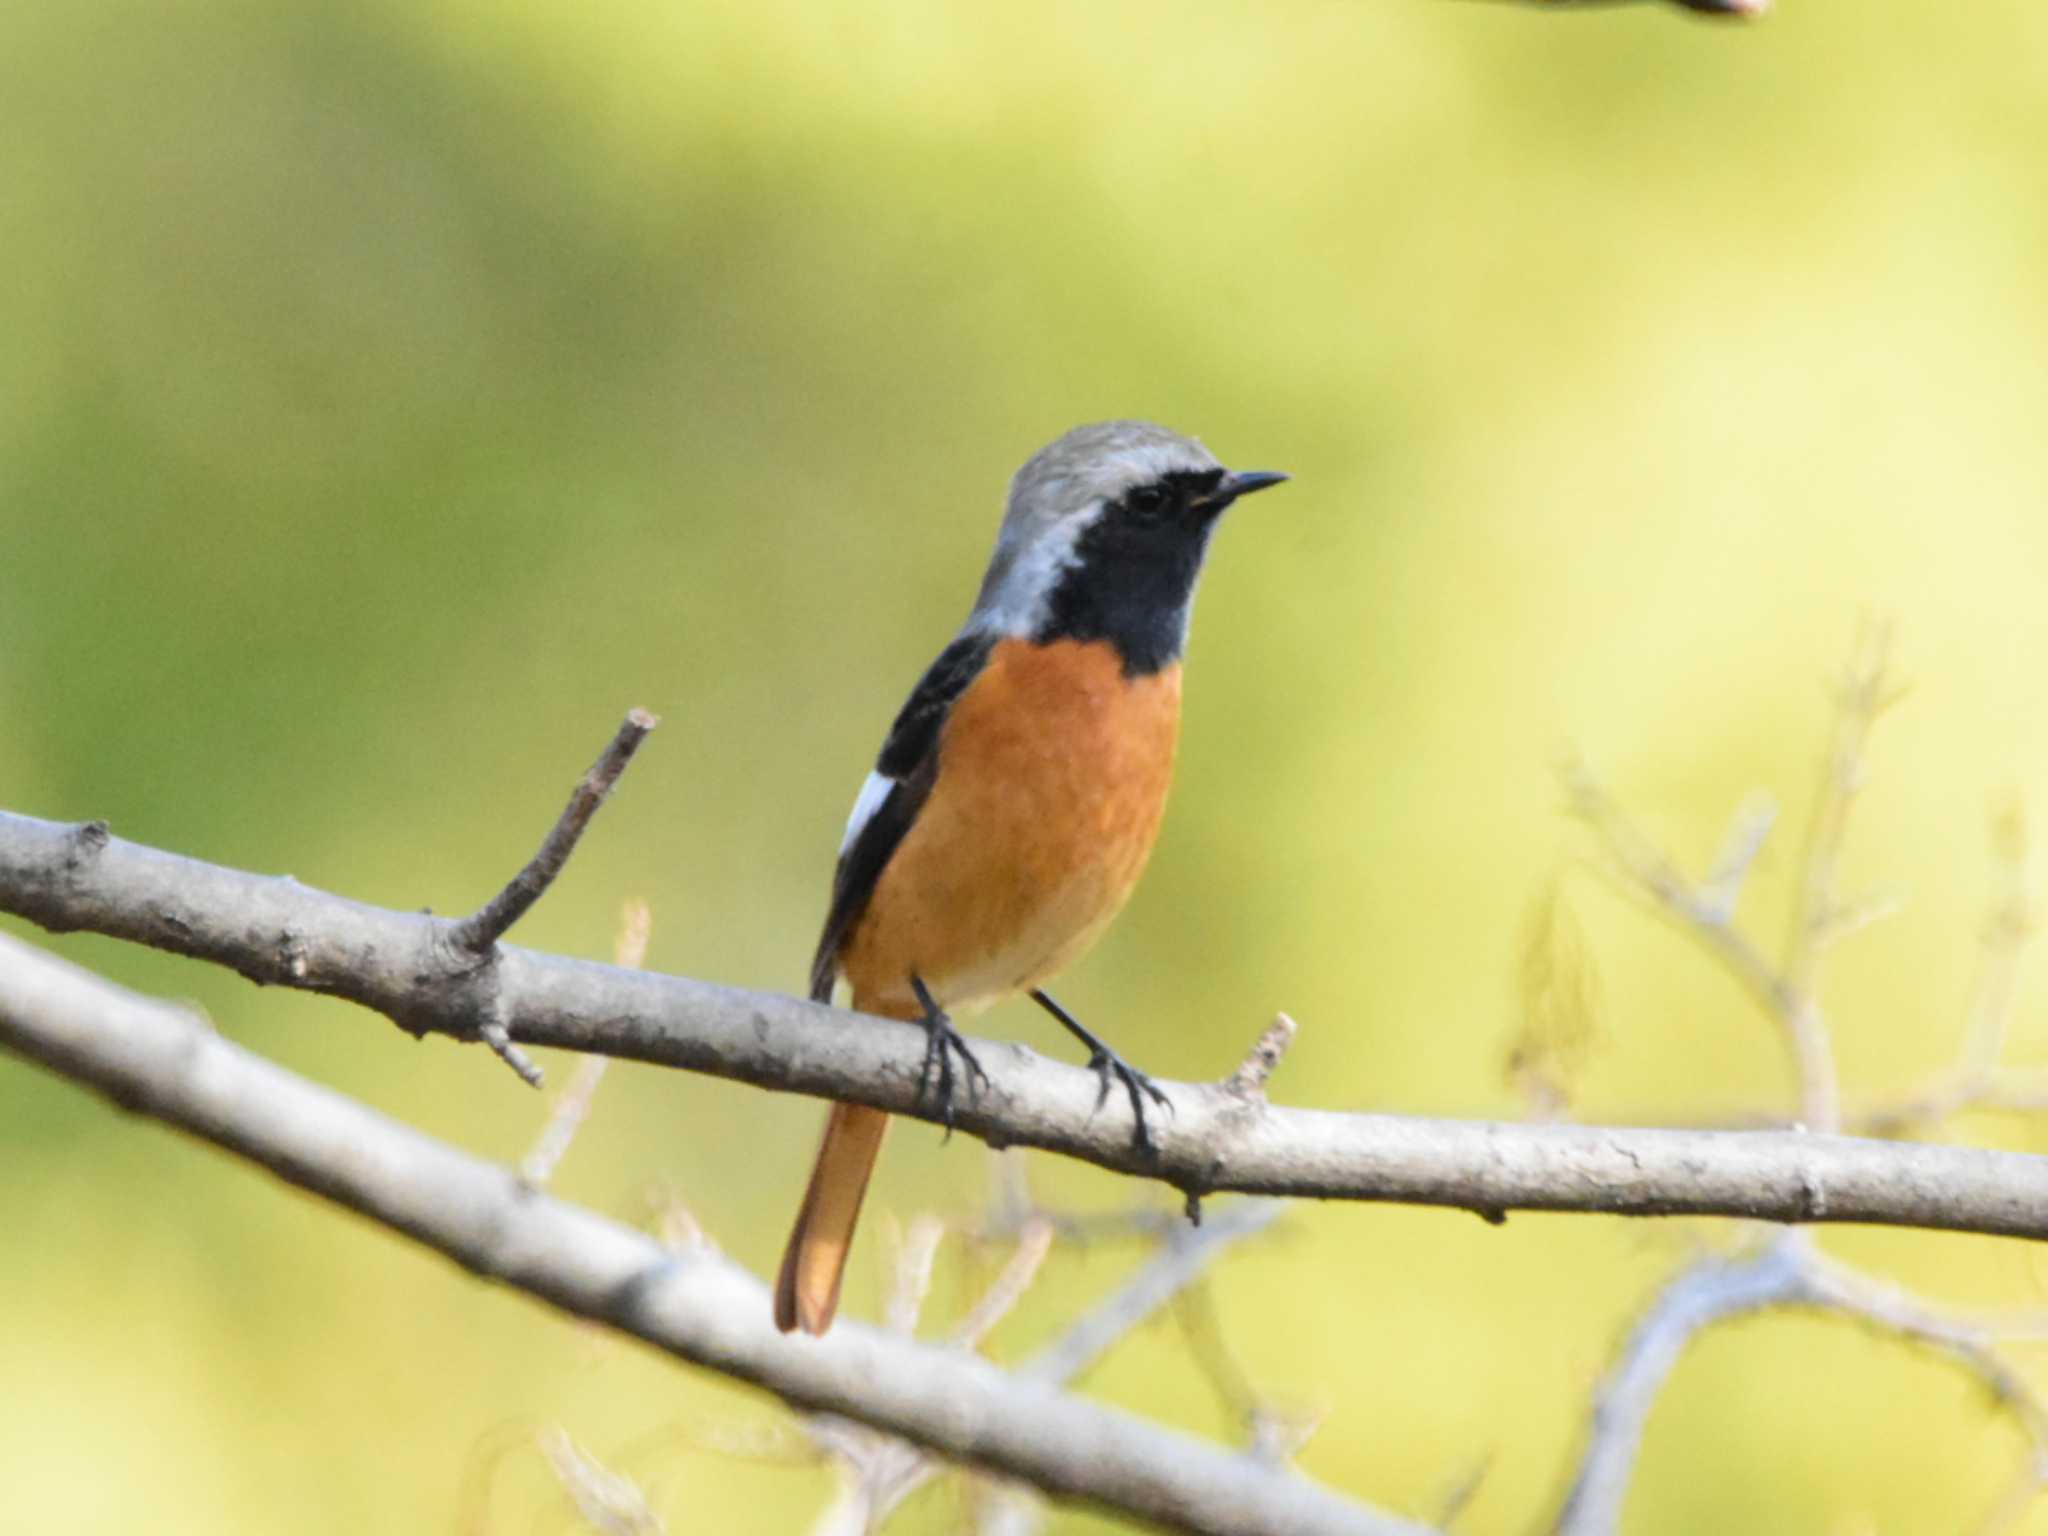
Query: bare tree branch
column 1787, row 991
column 889, row 1431
column 1786, row 1271
column 1789, row 1270
column 1702, row 1294
column 1980, row 1079
column 1865, row 691
column 572, row 1105
column 884, row 1471
column 276, row 930
column 605, row 1501
column 1706, row 912
column 483, row 928
column 879, row 1471
column 1183, row 1256
column 472, row 943
column 695, row 1305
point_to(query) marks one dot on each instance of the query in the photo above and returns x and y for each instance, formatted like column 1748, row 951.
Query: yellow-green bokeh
column 390, row 395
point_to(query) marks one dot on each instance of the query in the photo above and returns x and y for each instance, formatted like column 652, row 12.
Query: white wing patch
column 872, row 794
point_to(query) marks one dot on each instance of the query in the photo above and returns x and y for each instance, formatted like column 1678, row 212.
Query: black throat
column 1131, row 582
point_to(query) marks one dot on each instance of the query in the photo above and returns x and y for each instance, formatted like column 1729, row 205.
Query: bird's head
column 1123, row 492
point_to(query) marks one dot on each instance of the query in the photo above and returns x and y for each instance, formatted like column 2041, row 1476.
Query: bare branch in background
column 1787, row 1269
column 1183, row 1256
column 1645, row 873
column 1706, row 911
column 1033, row 1244
column 1788, row 990
column 1271, row 1432
column 607, row 1502
column 572, row 1104
column 894, row 1412
column 1865, row 691
column 1980, row 1080
column 1701, row 1295
column 881, row 1471
column 159, row 1061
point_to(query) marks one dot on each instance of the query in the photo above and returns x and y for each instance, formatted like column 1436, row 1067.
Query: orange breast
column 1053, row 771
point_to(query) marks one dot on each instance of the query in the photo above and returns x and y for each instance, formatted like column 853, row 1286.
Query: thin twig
column 881, row 1472
column 1183, row 1257
column 1969, row 1348
column 1015, row 1278
column 1249, row 1080
column 572, row 1106
column 1644, row 872
column 1834, row 1285
column 1271, row 1433
column 1011, row 1208
column 914, row 1250
column 878, row 1471
column 482, row 929
column 565, row 1118
column 1864, row 692
column 608, row 1502
column 493, row 1031
column 1748, row 830
column 1860, row 694
column 1981, row 1080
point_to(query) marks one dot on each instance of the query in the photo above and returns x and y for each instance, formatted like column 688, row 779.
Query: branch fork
column 466, row 951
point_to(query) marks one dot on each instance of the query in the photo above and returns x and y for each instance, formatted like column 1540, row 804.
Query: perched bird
column 1019, row 792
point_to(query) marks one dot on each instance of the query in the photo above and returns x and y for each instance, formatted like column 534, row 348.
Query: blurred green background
column 390, row 395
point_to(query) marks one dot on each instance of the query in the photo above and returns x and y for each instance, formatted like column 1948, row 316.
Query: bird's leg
column 1107, row 1065
column 941, row 1041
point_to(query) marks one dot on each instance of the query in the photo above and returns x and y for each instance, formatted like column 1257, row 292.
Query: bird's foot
column 942, row 1042
column 1110, row 1069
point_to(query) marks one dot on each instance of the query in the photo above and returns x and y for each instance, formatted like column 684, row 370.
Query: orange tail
column 807, row 1289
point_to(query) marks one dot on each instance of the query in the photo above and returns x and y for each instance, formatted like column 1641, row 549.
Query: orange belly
column 1052, row 776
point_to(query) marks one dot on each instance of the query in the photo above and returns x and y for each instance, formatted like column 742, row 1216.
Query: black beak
column 1245, row 481
column 1240, row 483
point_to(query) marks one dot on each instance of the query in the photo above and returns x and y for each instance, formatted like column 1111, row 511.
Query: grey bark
column 1219, row 1138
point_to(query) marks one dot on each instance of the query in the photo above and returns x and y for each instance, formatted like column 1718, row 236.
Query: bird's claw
column 1110, row 1068
column 941, row 1043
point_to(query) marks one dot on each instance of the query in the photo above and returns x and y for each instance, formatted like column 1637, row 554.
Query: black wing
column 910, row 761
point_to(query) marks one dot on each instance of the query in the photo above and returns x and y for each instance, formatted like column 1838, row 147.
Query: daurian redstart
column 1019, row 792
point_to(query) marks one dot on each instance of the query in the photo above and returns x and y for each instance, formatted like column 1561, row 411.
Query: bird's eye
column 1147, row 500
